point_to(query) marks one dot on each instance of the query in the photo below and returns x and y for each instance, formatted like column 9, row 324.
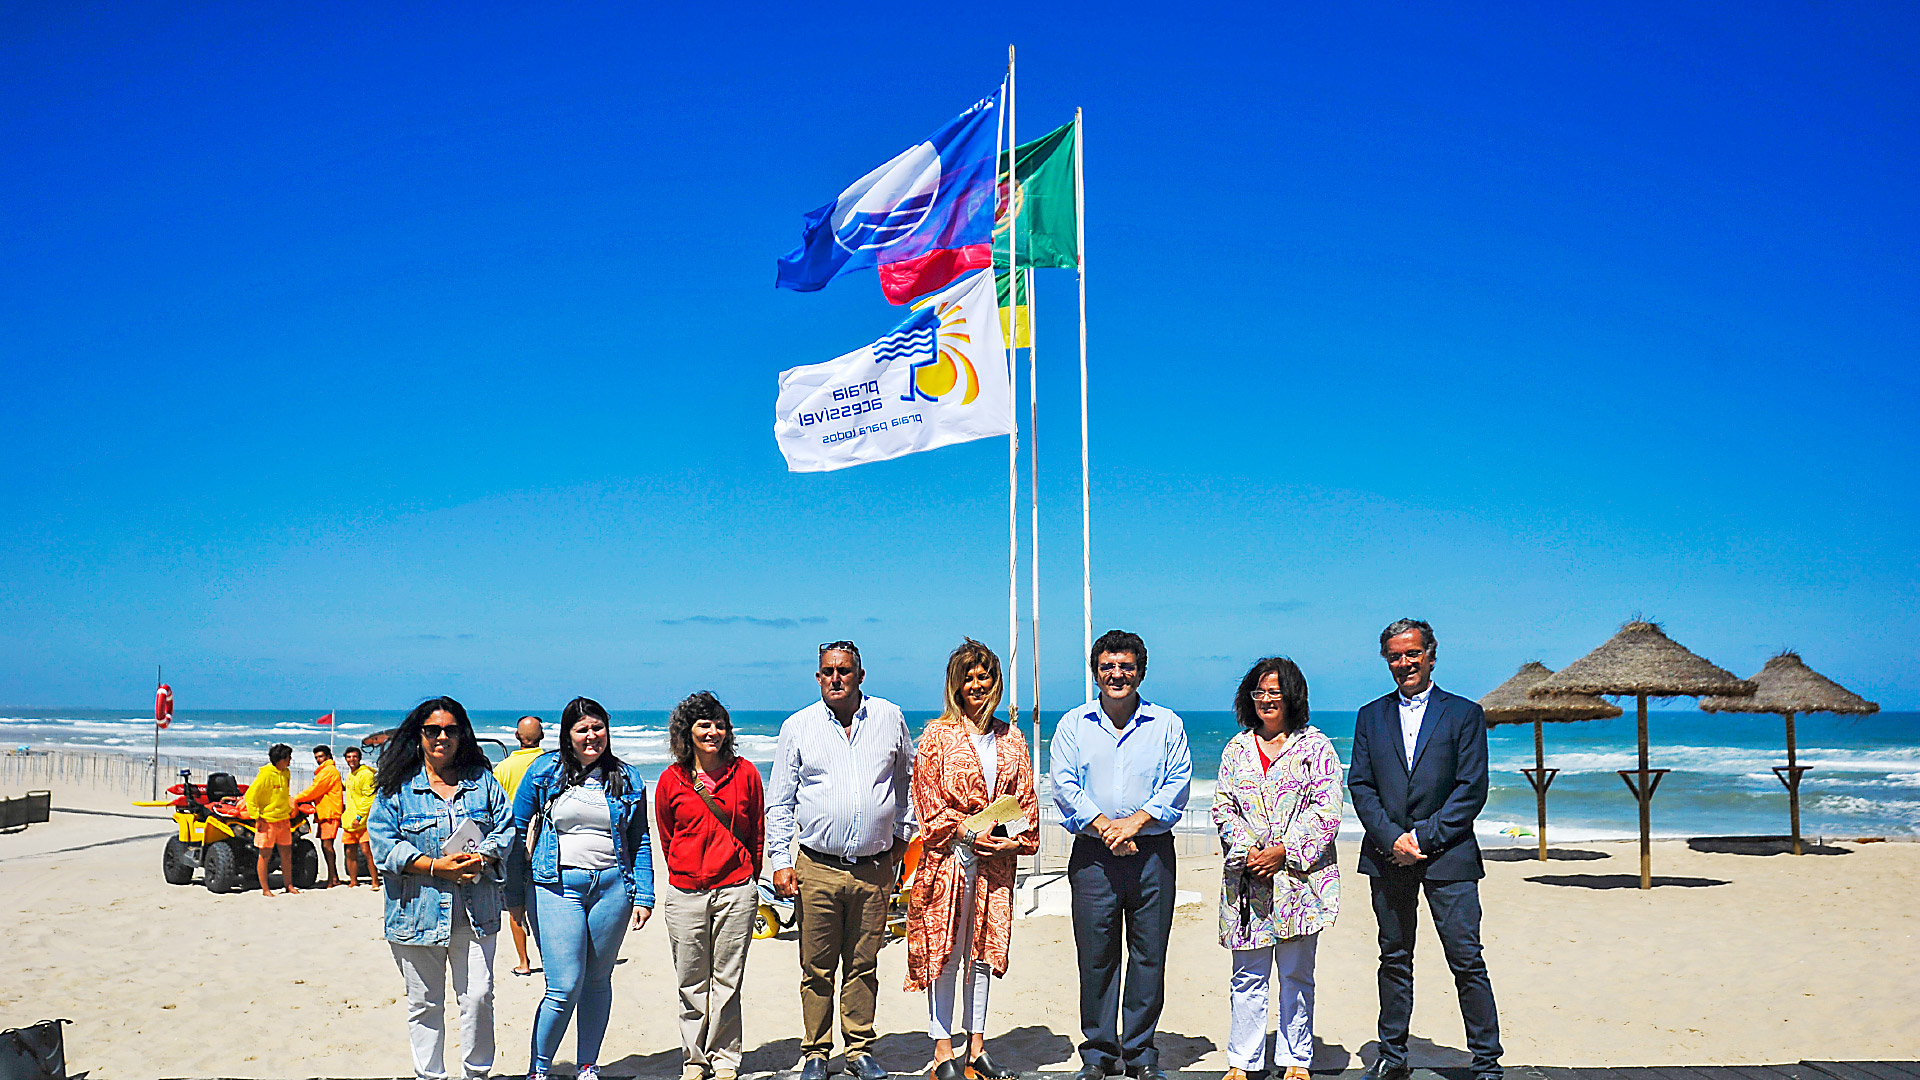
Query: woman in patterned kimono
column 1278, row 809
column 960, row 915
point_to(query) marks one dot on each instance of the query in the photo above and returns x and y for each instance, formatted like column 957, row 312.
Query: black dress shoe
column 1091, row 1072
column 813, row 1067
column 950, row 1069
column 983, row 1068
column 1146, row 1072
column 1380, row 1070
column 865, row 1068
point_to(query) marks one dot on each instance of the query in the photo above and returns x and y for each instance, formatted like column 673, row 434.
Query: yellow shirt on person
column 510, row 771
column 270, row 796
column 358, row 796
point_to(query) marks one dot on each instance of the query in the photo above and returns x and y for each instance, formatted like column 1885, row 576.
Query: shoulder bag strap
column 700, row 788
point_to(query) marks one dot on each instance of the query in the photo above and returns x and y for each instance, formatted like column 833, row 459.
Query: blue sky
column 352, row 355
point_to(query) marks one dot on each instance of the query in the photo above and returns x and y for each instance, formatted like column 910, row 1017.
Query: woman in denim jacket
column 443, row 909
column 592, row 873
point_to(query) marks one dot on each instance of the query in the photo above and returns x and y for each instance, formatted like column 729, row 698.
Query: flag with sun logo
column 939, row 378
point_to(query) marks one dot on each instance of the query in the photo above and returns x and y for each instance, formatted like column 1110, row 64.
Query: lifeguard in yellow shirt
column 356, row 804
column 513, row 895
column 322, row 799
column 270, row 799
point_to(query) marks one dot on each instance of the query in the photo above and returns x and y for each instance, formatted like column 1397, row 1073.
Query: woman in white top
column 592, row 875
column 960, row 913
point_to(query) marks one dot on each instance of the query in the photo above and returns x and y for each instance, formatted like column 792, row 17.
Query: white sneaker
column 588, row 1072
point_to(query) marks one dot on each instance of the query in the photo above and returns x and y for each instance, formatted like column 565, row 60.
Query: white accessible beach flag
column 939, row 378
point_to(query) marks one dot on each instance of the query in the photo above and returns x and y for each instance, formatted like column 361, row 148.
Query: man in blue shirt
column 1121, row 773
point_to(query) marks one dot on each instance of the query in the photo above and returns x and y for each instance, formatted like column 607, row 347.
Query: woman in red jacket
column 712, row 815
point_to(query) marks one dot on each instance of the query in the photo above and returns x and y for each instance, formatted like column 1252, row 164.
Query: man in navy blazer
column 1418, row 779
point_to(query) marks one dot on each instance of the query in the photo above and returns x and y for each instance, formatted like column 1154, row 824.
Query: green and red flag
column 1049, row 234
column 1044, row 196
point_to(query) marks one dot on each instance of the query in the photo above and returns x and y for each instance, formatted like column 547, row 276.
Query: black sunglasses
column 439, row 731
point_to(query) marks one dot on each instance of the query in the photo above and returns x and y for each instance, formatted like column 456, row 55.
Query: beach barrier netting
column 129, row 774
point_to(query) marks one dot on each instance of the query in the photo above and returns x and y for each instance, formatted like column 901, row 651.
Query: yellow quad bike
column 216, row 837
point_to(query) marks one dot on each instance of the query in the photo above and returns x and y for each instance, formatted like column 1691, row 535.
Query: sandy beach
column 1736, row 959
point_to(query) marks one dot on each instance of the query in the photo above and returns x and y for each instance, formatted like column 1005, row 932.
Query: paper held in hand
column 1000, row 811
column 464, row 841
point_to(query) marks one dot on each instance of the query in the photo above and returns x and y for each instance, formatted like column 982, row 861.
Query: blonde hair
column 969, row 655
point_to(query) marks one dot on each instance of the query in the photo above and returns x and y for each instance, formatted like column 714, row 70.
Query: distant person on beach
column 960, row 916
column 1418, row 779
column 442, row 906
column 356, row 802
column 840, row 793
column 592, row 867
column 323, row 800
column 712, row 814
column 1121, row 774
column 270, row 799
column 1277, row 805
column 509, row 772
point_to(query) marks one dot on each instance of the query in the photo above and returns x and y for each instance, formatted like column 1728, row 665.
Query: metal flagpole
column 1086, row 501
column 1013, row 408
column 1033, row 502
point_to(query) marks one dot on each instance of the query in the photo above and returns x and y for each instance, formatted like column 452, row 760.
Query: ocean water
column 1865, row 779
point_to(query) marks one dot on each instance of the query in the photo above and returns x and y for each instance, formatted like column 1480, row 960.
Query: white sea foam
column 1726, row 760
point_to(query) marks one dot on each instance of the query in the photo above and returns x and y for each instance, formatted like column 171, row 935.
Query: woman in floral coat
column 1278, row 809
column 960, row 915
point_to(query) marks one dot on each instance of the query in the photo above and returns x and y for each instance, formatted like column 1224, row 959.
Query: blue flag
column 924, row 218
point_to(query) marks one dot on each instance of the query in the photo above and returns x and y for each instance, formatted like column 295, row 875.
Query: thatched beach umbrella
column 1787, row 686
column 1509, row 703
column 1643, row 661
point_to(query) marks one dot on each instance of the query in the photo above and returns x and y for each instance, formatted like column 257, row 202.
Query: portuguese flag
column 1049, row 236
column 1048, row 222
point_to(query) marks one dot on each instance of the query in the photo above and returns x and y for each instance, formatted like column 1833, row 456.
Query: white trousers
column 1291, row 963
column 424, row 967
column 943, row 1021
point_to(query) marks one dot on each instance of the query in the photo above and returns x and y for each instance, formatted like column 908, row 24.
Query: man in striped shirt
column 840, row 788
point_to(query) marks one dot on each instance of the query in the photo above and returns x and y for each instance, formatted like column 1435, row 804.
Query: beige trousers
column 843, row 921
column 709, row 933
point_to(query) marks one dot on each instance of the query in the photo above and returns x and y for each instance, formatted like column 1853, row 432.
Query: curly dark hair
column 1119, row 641
column 697, row 706
column 278, row 753
column 572, row 769
column 1293, row 694
column 402, row 756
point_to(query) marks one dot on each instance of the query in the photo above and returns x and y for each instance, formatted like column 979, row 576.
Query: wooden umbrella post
column 1790, row 776
column 1541, row 778
column 1642, row 782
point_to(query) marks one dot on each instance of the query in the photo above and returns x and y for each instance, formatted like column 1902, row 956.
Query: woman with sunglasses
column 442, row 900
column 585, row 813
column 1277, row 805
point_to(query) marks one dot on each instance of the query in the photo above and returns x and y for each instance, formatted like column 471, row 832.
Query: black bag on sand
column 35, row 1053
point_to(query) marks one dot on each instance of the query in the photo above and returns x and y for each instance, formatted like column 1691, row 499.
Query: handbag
column 35, row 1052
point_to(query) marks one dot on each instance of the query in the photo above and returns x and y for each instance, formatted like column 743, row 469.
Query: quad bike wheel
column 306, row 865
column 177, row 862
column 223, row 866
column 765, row 922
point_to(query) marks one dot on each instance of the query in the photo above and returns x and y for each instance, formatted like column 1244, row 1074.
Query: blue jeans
column 579, row 926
